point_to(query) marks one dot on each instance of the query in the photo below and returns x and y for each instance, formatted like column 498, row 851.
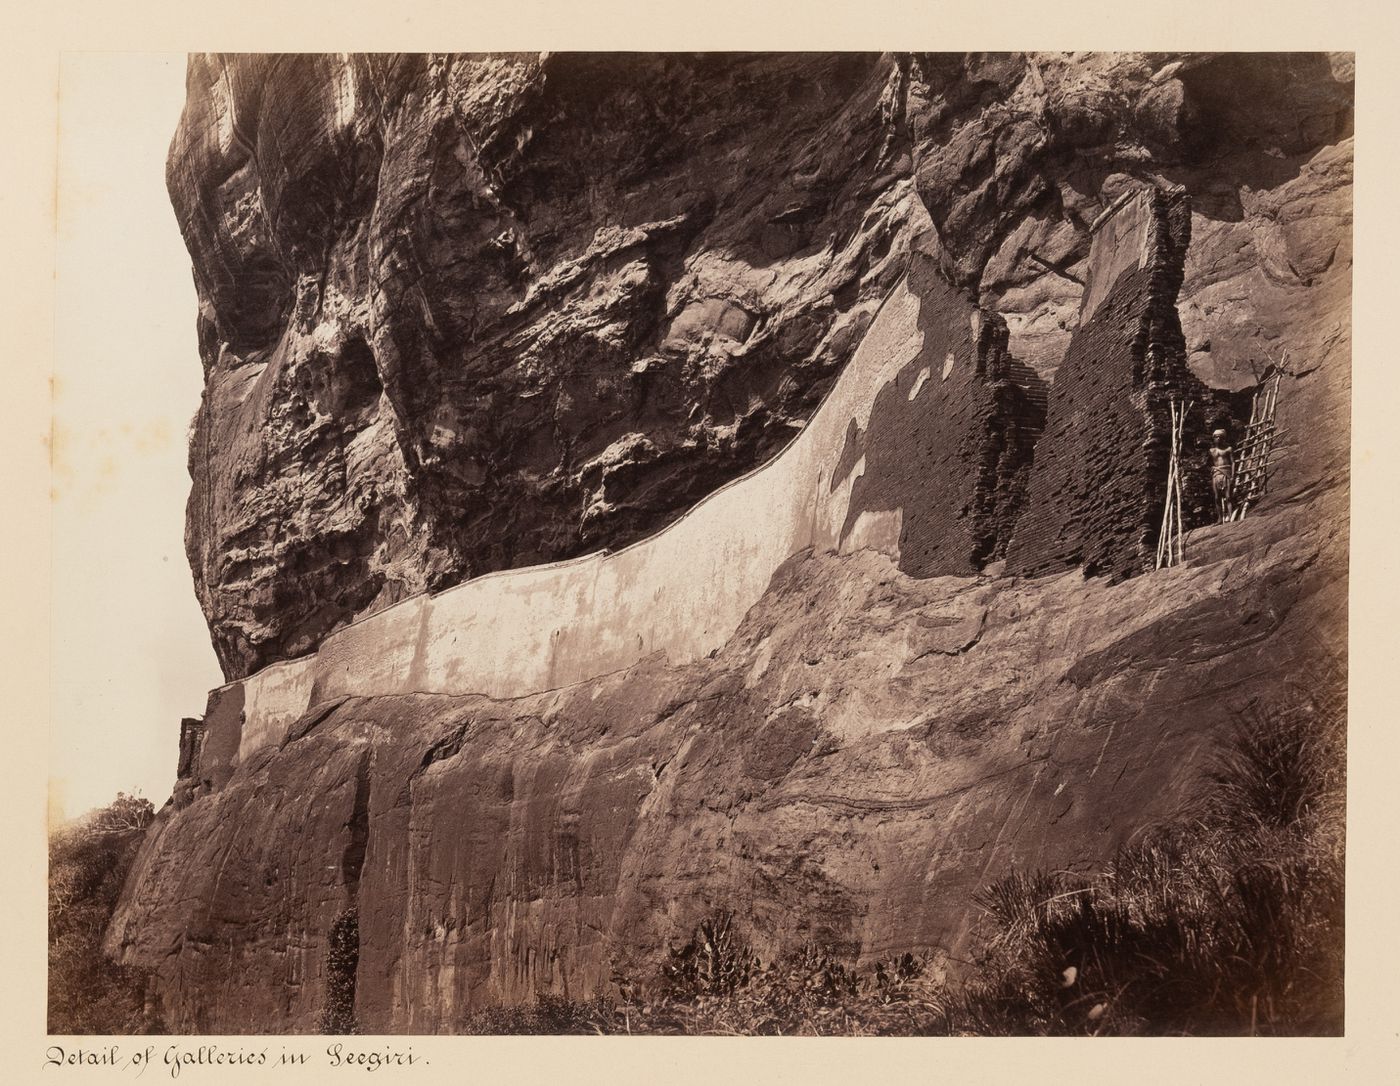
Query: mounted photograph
column 729, row 543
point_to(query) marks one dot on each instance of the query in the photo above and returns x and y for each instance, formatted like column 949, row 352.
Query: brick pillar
column 1099, row 479
column 949, row 441
column 191, row 740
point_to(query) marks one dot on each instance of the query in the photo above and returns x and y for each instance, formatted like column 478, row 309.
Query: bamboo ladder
column 1250, row 479
column 1169, row 539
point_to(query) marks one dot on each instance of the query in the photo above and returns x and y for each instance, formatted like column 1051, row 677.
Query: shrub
column 715, row 984
column 548, row 1015
column 1232, row 924
column 342, row 964
column 714, row 962
column 88, row 863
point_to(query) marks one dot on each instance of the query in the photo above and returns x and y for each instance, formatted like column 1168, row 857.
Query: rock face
column 866, row 753
column 462, row 314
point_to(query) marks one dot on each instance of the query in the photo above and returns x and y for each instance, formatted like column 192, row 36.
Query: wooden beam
column 1058, row 271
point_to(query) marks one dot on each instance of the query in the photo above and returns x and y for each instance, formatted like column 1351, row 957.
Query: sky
column 130, row 651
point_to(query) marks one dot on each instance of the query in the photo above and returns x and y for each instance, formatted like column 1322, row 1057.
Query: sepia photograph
column 712, row 543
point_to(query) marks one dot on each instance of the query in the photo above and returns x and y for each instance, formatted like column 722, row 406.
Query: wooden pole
column 1164, row 536
column 1250, row 481
column 1176, row 476
column 1174, row 489
column 1171, row 495
column 1170, row 540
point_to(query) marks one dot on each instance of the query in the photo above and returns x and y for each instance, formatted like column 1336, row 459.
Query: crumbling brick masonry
column 1097, row 488
column 949, row 443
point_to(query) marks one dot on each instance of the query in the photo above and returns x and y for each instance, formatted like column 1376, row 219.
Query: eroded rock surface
column 866, row 753
column 467, row 313
column 460, row 314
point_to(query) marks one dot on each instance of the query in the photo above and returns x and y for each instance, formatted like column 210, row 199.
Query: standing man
column 1222, row 475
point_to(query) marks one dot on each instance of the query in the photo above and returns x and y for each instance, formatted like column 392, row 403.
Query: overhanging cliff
column 457, row 316
column 468, row 313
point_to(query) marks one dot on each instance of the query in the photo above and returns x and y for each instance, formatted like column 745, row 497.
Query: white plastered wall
column 683, row 591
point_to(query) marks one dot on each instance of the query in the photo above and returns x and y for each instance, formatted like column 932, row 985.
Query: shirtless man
column 1222, row 474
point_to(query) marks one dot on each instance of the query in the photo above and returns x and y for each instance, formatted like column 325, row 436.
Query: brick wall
column 191, row 739
column 221, row 734
column 1097, row 489
column 949, row 443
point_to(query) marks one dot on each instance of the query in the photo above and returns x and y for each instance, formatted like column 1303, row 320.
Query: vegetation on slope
column 1226, row 923
column 88, row 862
column 1231, row 923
